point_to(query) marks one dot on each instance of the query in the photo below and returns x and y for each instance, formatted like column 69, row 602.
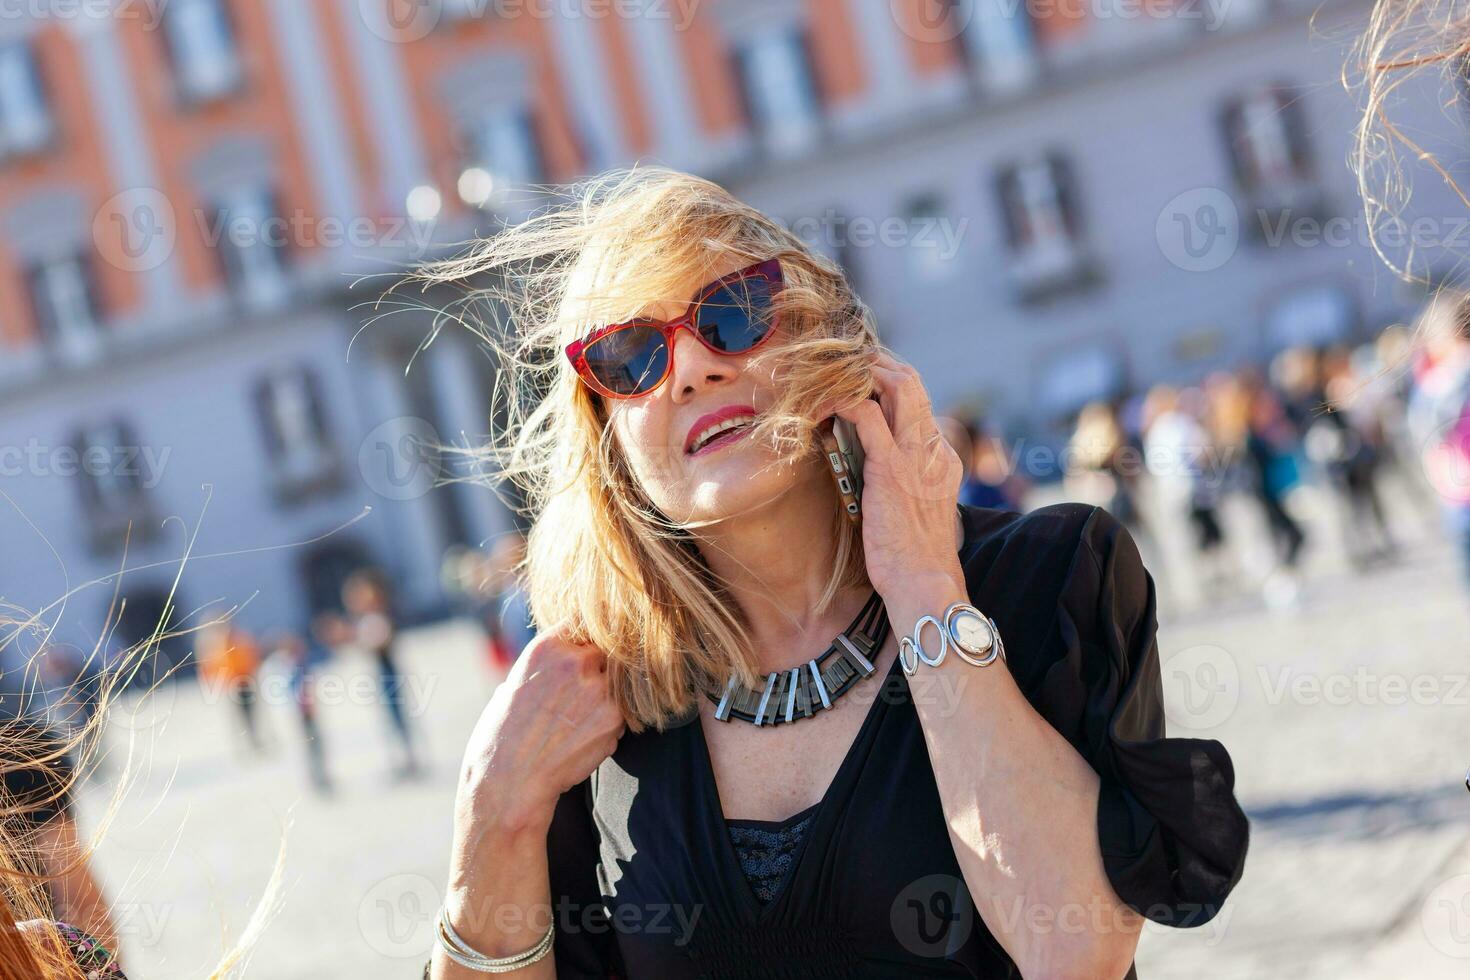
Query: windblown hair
column 1405, row 41
column 54, row 757
column 1446, row 317
column 602, row 563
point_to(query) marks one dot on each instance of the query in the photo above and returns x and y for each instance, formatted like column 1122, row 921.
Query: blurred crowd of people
column 1341, row 421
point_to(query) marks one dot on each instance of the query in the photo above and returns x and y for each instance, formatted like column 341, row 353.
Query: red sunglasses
column 735, row 314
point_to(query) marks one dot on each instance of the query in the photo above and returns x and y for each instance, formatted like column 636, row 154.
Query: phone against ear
column 845, row 462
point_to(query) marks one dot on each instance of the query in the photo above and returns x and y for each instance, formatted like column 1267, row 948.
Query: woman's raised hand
column 911, row 482
column 547, row 726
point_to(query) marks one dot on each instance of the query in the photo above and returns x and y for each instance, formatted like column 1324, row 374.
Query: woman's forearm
column 499, row 895
column 1021, row 806
column 548, row 725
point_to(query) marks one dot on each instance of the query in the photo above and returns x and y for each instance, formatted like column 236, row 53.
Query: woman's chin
column 716, row 500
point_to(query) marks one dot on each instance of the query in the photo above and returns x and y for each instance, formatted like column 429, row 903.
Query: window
column 779, row 87
column 252, row 245
column 1268, row 150
column 999, row 42
column 293, row 425
column 459, row 11
column 112, row 477
column 1043, row 228
column 25, row 120
column 201, row 45
column 929, row 258
column 64, row 299
column 501, row 151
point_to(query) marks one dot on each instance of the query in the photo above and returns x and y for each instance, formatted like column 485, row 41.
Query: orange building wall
column 934, row 45
column 178, row 134
column 342, row 68
column 426, row 58
column 637, row 132
column 836, row 53
column 711, row 73
column 76, row 159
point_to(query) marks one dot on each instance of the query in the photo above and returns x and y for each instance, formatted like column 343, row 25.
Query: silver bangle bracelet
column 911, row 650
column 471, row 959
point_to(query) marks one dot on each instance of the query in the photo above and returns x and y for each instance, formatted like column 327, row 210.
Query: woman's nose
column 695, row 365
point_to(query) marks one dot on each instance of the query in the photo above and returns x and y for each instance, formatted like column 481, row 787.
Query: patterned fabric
column 96, row 962
column 766, row 849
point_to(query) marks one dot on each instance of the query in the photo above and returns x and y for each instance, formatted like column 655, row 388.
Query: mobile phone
column 844, row 454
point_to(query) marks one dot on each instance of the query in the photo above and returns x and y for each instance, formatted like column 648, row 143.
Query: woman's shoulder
column 1052, row 577
column 1052, row 538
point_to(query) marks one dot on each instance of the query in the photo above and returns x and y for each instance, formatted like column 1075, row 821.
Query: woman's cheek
column 645, row 457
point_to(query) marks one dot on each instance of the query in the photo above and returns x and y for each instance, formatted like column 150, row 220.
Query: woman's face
column 727, row 475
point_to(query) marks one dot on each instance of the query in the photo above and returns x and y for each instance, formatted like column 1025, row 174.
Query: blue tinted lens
column 629, row 361
column 737, row 316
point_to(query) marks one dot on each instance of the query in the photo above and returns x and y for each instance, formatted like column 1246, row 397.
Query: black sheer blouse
column 647, row 883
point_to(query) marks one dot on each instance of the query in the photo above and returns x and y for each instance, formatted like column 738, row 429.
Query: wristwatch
column 975, row 636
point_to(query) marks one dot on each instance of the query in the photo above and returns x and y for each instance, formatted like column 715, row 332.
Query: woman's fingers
column 928, row 471
column 900, row 417
column 904, row 407
column 911, row 414
column 871, row 424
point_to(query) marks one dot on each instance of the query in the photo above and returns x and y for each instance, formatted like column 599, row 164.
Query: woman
column 920, row 825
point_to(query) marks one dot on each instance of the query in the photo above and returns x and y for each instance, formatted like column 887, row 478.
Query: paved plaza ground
column 1346, row 715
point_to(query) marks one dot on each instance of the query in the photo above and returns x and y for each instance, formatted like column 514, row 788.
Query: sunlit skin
column 764, row 530
column 740, row 500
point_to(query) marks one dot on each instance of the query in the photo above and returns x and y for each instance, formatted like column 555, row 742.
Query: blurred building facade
column 1036, row 199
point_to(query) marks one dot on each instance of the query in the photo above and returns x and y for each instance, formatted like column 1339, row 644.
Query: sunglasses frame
column 768, row 269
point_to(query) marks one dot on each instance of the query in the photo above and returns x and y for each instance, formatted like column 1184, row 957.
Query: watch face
column 972, row 633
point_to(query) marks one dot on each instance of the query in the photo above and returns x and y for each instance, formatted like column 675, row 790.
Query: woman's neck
column 775, row 562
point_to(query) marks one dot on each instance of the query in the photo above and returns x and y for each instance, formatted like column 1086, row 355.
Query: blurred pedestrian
column 1180, row 453
column 1390, row 387
column 1345, row 447
column 368, row 602
column 300, row 658
column 1439, row 409
column 1271, row 452
column 990, row 480
column 511, row 607
column 229, row 664
column 1105, row 467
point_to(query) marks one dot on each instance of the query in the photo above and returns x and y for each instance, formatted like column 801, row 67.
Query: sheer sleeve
column 585, row 946
column 1173, row 837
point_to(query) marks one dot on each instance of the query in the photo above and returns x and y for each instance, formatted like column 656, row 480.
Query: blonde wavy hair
column 601, row 560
